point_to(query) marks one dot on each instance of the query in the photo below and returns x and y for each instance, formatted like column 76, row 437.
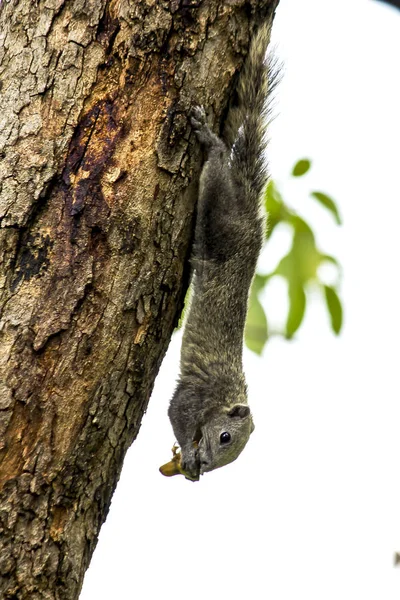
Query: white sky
column 311, row 509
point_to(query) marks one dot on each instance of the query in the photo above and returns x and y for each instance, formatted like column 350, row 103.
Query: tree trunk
column 98, row 171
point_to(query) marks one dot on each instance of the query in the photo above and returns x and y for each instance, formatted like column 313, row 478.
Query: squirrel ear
column 239, row 410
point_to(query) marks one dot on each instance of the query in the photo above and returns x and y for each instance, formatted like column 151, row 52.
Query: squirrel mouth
column 197, row 437
column 203, row 454
column 196, row 444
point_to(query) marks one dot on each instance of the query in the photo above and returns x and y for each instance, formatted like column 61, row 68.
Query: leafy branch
column 299, row 267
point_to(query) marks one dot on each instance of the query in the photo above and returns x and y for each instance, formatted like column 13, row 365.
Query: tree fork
column 98, row 172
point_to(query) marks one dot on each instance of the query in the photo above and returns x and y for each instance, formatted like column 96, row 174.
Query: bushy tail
column 245, row 130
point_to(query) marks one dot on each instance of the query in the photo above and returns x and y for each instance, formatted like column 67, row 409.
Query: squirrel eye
column 225, row 438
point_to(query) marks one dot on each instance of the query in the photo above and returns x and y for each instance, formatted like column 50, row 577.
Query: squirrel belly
column 209, row 410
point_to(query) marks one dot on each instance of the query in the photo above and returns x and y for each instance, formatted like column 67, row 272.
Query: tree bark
column 98, row 171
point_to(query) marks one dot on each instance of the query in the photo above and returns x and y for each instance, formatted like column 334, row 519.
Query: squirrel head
column 223, row 436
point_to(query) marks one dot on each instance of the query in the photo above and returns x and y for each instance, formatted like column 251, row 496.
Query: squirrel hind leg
column 206, row 137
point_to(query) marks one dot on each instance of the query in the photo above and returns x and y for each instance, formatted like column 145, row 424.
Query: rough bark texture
column 98, row 171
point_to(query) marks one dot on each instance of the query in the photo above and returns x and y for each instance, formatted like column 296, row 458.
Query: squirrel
column 209, row 412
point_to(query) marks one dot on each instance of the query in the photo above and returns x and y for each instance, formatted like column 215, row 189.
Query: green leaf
column 297, row 306
column 275, row 208
column 287, row 266
column 259, row 283
column 331, row 259
column 327, row 258
column 256, row 333
column 328, row 203
column 301, row 263
column 301, row 167
column 301, row 226
column 334, row 307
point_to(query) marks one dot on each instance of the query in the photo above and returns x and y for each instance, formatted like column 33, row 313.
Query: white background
column 311, row 509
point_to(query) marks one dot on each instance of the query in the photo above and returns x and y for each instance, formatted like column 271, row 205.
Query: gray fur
column 211, row 395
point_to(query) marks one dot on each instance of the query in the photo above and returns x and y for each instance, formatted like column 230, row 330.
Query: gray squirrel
column 209, row 412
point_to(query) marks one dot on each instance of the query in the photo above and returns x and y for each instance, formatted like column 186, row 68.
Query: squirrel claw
column 201, row 129
column 198, row 116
